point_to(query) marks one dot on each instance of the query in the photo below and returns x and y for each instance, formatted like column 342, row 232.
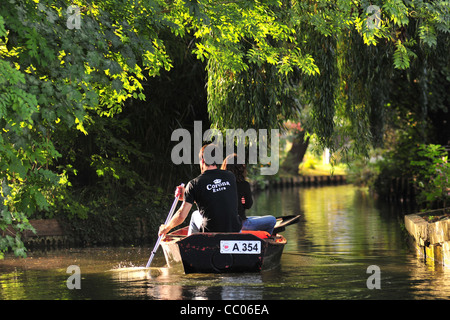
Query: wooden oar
column 283, row 222
column 169, row 217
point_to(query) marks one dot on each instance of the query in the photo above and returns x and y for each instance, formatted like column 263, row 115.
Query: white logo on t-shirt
column 218, row 185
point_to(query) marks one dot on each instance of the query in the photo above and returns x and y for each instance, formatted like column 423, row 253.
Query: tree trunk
column 295, row 154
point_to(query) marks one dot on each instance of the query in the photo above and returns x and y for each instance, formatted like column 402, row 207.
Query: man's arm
column 177, row 219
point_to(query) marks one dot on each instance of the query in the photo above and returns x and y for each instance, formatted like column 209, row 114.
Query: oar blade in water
column 135, row 273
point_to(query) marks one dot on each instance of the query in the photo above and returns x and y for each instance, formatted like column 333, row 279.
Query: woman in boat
column 245, row 199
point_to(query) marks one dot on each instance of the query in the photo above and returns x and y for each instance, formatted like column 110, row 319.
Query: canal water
column 346, row 246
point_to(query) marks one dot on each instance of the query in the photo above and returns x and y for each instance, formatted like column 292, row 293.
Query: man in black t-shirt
column 215, row 193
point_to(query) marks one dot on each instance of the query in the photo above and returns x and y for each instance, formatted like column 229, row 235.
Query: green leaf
column 428, row 35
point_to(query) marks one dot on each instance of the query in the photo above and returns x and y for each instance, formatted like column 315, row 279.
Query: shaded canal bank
column 342, row 234
column 299, row 181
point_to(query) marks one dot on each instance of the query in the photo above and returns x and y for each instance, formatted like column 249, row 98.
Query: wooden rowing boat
column 208, row 252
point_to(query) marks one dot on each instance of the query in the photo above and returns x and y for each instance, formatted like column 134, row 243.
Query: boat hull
column 206, row 253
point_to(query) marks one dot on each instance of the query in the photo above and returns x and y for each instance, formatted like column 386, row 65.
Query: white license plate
column 240, row 247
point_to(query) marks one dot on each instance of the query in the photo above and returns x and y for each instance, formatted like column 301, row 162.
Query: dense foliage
column 63, row 67
column 433, row 171
column 90, row 90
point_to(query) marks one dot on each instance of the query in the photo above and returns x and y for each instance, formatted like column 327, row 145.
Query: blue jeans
column 264, row 223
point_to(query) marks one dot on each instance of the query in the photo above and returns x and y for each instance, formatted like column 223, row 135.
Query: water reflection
column 342, row 232
column 168, row 284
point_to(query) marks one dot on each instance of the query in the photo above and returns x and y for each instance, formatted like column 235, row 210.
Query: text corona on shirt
column 218, row 185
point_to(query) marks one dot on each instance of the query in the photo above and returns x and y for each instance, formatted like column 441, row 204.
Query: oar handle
column 169, row 217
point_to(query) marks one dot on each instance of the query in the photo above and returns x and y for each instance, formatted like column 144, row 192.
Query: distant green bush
column 431, row 175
